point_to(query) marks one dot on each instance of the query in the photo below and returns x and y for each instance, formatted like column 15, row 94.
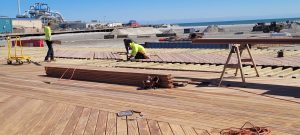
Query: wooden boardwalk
column 21, row 115
column 31, row 103
column 184, row 57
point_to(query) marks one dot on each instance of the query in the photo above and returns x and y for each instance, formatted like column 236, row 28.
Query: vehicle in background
column 133, row 23
column 268, row 28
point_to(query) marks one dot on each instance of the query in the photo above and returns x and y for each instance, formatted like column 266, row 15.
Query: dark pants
column 50, row 52
column 139, row 56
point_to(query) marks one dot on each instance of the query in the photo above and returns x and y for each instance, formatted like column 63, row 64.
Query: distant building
column 27, row 25
column 6, row 25
column 95, row 25
column 115, row 24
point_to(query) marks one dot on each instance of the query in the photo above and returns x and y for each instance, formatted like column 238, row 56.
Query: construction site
column 212, row 80
column 92, row 89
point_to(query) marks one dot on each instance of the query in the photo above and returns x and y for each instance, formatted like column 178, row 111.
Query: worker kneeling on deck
column 137, row 51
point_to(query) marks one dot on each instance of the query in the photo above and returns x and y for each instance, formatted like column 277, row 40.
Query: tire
column 9, row 62
column 277, row 30
column 266, row 30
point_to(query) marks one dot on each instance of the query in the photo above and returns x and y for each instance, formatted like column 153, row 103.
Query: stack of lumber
column 131, row 77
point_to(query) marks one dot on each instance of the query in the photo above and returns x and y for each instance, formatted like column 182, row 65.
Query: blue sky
column 168, row 11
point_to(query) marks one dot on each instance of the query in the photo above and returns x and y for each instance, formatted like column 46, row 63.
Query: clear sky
column 162, row 10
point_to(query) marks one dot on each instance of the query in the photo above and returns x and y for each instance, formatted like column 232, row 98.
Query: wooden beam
column 247, row 40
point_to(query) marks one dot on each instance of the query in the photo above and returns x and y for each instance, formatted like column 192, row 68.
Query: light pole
column 19, row 8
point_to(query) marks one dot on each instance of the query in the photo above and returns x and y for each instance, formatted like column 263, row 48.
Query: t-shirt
column 47, row 31
column 135, row 48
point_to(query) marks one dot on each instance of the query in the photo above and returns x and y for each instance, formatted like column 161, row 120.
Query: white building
column 115, row 24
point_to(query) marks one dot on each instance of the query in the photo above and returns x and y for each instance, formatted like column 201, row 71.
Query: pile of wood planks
column 131, row 77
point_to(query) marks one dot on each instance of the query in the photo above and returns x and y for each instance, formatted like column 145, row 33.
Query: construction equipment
column 268, row 28
column 20, row 59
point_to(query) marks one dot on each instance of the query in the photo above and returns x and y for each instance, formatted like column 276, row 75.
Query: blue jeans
column 139, row 56
column 50, row 52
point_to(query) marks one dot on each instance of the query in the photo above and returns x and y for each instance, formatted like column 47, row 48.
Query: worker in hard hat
column 137, row 51
column 48, row 32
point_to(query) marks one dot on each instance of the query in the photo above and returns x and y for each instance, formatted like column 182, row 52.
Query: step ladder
column 238, row 49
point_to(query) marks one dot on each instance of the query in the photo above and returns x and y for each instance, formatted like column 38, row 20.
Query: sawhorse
column 238, row 50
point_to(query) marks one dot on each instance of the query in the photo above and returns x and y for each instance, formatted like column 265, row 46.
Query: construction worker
column 137, row 51
column 50, row 53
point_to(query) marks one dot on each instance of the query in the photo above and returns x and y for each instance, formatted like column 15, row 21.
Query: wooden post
column 253, row 61
column 225, row 66
column 240, row 66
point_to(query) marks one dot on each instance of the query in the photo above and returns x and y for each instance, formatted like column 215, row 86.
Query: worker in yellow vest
column 137, row 51
column 48, row 40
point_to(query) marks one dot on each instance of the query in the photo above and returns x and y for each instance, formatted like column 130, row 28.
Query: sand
column 96, row 39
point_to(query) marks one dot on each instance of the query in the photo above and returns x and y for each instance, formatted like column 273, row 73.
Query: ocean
column 238, row 22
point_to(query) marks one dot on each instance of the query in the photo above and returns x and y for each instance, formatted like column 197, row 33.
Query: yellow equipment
column 20, row 59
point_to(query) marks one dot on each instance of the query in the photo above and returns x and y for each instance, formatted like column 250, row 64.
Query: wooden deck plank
column 165, row 128
column 81, row 125
column 154, row 127
column 189, row 130
column 143, row 127
column 177, row 129
column 12, row 125
column 121, row 126
column 11, row 106
column 58, row 130
column 54, row 120
column 36, row 118
column 202, row 132
column 92, row 122
column 101, row 123
column 132, row 127
column 54, row 112
column 70, row 127
column 111, row 128
column 4, row 97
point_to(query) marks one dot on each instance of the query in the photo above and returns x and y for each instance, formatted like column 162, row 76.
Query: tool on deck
column 280, row 54
column 131, row 113
column 254, row 130
column 151, row 82
column 21, row 58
